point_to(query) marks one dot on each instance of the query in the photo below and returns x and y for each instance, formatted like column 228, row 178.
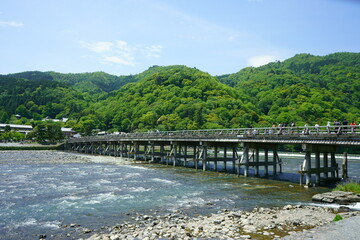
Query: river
column 58, row 194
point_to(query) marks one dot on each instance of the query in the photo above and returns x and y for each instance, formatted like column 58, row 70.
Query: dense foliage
column 46, row 131
column 37, row 99
column 175, row 98
column 304, row 89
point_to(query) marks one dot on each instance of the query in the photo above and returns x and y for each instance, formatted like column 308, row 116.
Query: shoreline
column 260, row 223
column 30, row 146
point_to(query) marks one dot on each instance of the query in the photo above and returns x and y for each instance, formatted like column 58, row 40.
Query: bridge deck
column 333, row 135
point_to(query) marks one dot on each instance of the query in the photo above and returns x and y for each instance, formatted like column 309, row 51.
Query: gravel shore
column 260, row 223
column 46, row 156
column 346, row 229
column 54, row 156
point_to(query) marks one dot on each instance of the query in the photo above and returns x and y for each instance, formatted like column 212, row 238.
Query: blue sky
column 125, row 37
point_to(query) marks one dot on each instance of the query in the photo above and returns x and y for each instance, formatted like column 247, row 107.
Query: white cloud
column 153, row 51
column 98, row 47
column 121, row 52
column 114, row 59
column 261, row 60
column 11, row 24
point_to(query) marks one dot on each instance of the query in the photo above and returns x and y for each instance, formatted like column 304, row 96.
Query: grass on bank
column 337, row 218
column 348, row 187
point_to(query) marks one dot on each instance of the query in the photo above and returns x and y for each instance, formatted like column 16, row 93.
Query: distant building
column 16, row 127
column 56, row 120
column 68, row 132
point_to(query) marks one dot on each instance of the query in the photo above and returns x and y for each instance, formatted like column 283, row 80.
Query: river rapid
column 60, row 194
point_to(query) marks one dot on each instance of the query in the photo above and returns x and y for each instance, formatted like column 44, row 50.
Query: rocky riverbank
column 260, row 223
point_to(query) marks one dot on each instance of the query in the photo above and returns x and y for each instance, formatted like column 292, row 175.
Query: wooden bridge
column 239, row 148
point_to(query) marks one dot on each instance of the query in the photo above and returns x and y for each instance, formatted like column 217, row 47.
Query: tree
column 22, row 111
column 39, row 132
column 86, row 125
column 47, row 132
column 53, row 132
column 7, row 128
column 4, row 117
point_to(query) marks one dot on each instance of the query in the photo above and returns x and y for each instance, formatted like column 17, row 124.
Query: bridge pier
column 318, row 169
column 253, row 160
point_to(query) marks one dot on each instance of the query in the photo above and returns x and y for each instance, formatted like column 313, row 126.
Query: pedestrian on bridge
column 345, row 123
column 328, row 125
column 292, row 125
column 337, row 127
column 352, row 124
column 317, row 127
column 306, row 129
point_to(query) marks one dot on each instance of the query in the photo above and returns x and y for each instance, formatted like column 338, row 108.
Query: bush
column 337, row 218
column 348, row 187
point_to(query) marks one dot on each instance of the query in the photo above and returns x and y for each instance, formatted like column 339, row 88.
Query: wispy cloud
column 121, row 52
column 98, row 47
column 114, row 59
column 257, row 61
column 153, row 51
column 11, row 24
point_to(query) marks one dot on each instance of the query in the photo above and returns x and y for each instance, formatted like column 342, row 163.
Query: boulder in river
column 339, row 197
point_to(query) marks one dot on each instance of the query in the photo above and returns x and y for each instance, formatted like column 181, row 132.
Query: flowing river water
column 59, row 194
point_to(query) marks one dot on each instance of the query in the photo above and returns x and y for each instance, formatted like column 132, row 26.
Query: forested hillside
column 36, row 99
column 36, row 95
column 95, row 84
column 305, row 89
column 175, row 98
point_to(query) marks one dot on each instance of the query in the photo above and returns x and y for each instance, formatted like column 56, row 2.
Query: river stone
column 339, row 197
column 249, row 229
column 245, row 236
column 115, row 237
column 86, row 230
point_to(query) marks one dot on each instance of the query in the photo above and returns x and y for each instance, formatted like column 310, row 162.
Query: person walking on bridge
column 328, row 125
column 337, row 127
column 306, row 129
column 345, row 123
column 317, row 127
column 353, row 124
column 292, row 125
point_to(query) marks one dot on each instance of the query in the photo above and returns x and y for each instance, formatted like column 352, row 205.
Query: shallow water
column 44, row 198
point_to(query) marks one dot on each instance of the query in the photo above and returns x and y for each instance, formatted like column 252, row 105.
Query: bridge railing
column 334, row 130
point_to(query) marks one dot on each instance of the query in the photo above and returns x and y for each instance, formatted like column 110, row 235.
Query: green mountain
column 93, row 83
column 36, row 99
column 173, row 98
column 304, row 89
column 36, row 95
